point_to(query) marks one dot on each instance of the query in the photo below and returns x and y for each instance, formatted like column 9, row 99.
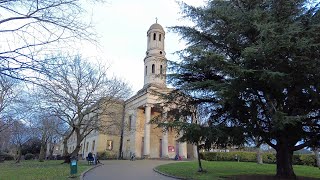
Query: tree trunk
column 51, row 148
column 42, row 148
column 284, row 162
column 316, row 153
column 199, row 160
column 42, row 153
column 66, row 155
column 19, row 154
column 259, row 155
column 75, row 152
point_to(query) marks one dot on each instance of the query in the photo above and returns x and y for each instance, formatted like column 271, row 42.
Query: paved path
column 125, row 169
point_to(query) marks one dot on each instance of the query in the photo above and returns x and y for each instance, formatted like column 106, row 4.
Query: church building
column 141, row 138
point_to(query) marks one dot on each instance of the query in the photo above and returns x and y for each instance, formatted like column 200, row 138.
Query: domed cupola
column 155, row 61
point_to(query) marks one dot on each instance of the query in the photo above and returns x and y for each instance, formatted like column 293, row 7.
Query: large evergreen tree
column 259, row 61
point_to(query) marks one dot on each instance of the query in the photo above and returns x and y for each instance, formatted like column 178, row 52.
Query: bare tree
column 7, row 97
column 19, row 135
column 81, row 94
column 42, row 120
column 47, row 126
column 30, row 29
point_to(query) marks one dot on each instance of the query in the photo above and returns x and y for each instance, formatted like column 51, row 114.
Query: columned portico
column 146, row 145
column 182, row 148
column 143, row 138
column 195, row 152
column 165, row 139
column 132, row 134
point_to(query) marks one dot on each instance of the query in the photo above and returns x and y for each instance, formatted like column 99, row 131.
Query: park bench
column 90, row 159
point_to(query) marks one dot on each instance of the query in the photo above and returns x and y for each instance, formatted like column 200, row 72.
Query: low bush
column 107, row 155
column 269, row 158
column 308, row 159
column 28, row 156
column 6, row 156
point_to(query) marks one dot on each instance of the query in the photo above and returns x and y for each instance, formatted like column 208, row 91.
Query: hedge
column 107, row 155
column 269, row 158
column 29, row 156
column 6, row 156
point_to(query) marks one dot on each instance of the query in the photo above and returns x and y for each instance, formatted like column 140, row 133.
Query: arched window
column 146, row 70
column 154, row 36
column 160, row 69
column 159, row 37
column 152, row 68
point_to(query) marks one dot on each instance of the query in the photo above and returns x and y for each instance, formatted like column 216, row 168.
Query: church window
column 93, row 143
column 154, row 36
column 109, row 145
column 160, row 69
column 159, row 37
column 160, row 52
column 146, row 70
column 152, row 68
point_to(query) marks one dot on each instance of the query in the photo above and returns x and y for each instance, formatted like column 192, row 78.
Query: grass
column 218, row 169
column 35, row 170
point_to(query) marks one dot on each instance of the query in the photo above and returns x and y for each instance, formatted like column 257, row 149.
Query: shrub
column 107, row 155
column 28, row 156
column 102, row 155
column 308, row 159
column 6, row 156
column 270, row 158
column 228, row 156
column 296, row 159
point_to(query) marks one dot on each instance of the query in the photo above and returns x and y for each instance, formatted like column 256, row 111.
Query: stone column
column 165, row 139
column 183, row 150
column 182, row 145
column 195, row 155
column 146, row 145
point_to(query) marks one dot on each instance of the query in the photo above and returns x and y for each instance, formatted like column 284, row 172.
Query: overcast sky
column 122, row 26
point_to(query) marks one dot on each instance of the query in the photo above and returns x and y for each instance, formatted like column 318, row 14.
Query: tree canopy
column 258, row 62
column 30, row 29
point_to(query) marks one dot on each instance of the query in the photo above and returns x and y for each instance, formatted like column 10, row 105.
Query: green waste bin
column 73, row 166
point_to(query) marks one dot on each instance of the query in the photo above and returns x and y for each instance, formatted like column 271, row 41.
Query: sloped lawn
column 224, row 169
column 35, row 170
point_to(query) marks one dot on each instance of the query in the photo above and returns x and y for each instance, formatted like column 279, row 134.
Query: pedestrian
column 133, row 157
column 97, row 159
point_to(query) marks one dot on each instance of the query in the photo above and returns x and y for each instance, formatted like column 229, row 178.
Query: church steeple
column 155, row 61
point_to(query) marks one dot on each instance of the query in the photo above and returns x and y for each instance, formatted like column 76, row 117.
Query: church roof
column 156, row 26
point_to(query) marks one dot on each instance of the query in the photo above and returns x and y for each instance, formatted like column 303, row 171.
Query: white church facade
column 140, row 137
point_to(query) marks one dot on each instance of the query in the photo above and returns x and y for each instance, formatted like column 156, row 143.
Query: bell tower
column 155, row 62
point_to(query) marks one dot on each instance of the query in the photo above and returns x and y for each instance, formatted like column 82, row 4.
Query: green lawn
column 216, row 169
column 35, row 170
